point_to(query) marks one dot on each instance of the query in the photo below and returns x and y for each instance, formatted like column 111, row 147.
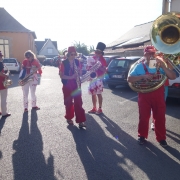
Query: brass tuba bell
column 165, row 33
column 165, row 37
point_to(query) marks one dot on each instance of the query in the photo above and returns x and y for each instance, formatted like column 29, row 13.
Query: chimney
column 165, row 6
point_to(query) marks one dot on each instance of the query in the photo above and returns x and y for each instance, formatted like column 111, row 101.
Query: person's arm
column 1, row 71
column 132, row 78
column 4, row 75
column 61, row 73
column 134, row 75
column 169, row 73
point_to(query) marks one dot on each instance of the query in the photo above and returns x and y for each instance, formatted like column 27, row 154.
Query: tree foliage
column 80, row 48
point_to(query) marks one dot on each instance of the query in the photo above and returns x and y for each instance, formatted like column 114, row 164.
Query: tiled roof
column 39, row 44
column 137, row 35
column 107, row 51
column 10, row 24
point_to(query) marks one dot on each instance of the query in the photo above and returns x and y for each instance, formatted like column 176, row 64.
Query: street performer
column 96, row 85
column 152, row 100
column 3, row 90
column 70, row 72
column 30, row 65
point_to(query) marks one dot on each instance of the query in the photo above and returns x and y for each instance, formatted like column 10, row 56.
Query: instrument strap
column 146, row 70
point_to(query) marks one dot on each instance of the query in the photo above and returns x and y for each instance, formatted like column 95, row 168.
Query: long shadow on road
column 118, row 156
column 28, row 160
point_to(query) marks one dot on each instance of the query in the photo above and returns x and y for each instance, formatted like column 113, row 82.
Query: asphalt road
column 41, row 146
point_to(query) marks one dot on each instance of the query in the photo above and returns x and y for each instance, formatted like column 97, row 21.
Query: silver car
column 12, row 64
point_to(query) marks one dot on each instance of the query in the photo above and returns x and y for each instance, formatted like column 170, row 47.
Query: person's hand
column 7, row 76
column 160, row 62
column 147, row 77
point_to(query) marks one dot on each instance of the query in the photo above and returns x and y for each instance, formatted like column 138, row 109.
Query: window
column 119, row 63
column 49, row 50
column 9, row 61
column 4, row 47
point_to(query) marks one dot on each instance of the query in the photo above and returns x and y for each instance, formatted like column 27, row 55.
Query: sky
column 84, row 21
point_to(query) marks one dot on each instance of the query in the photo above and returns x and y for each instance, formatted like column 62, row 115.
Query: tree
column 61, row 51
column 91, row 49
column 81, row 48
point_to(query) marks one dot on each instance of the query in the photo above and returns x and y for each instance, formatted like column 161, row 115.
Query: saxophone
column 78, row 80
column 27, row 78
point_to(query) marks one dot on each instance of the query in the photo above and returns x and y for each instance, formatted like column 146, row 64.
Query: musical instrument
column 91, row 73
column 145, row 86
column 165, row 37
column 7, row 82
column 27, row 78
column 78, row 81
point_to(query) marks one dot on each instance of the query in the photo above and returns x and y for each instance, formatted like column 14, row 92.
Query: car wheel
column 111, row 86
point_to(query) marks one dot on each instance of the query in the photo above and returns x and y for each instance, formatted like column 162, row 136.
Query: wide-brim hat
column 1, row 54
column 100, row 47
column 71, row 49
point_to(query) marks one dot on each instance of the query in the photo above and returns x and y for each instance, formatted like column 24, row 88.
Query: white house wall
column 44, row 50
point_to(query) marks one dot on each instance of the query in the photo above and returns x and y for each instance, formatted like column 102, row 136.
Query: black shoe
column 8, row 114
column 81, row 125
column 141, row 140
column 163, row 143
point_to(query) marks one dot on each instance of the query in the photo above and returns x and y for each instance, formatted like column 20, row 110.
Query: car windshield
column 9, row 61
column 118, row 63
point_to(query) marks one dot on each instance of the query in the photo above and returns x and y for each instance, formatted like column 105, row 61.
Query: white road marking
column 128, row 100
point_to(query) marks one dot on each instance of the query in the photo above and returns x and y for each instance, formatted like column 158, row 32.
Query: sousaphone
column 165, row 37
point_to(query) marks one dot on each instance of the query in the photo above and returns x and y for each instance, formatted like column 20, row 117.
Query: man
column 69, row 73
column 152, row 100
column 3, row 90
column 96, row 85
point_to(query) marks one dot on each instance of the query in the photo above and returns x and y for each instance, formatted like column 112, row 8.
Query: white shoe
column 152, row 126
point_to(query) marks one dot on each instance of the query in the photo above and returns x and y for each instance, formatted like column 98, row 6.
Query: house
column 15, row 39
column 131, row 43
column 46, row 48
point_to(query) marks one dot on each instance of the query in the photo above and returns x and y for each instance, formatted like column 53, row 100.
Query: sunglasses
column 73, row 54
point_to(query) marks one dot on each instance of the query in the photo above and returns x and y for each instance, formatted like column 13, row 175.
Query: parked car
column 174, row 87
column 48, row 61
column 12, row 64
column 117, row 71
column 109, row 58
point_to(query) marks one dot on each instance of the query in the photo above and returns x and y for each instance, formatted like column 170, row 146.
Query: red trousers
column 73, row 101
column 155, row 101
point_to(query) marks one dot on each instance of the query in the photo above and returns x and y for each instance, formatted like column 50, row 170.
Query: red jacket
column 29, row 64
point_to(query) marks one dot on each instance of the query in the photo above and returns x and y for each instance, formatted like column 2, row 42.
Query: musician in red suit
column 3, row 90
column 96, row 85
column 152, row 100
column 30, row 65
column 69, row 72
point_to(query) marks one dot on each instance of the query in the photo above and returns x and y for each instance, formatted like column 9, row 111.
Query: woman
column 3, row 90
column 30, row 65
column 68, row 71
